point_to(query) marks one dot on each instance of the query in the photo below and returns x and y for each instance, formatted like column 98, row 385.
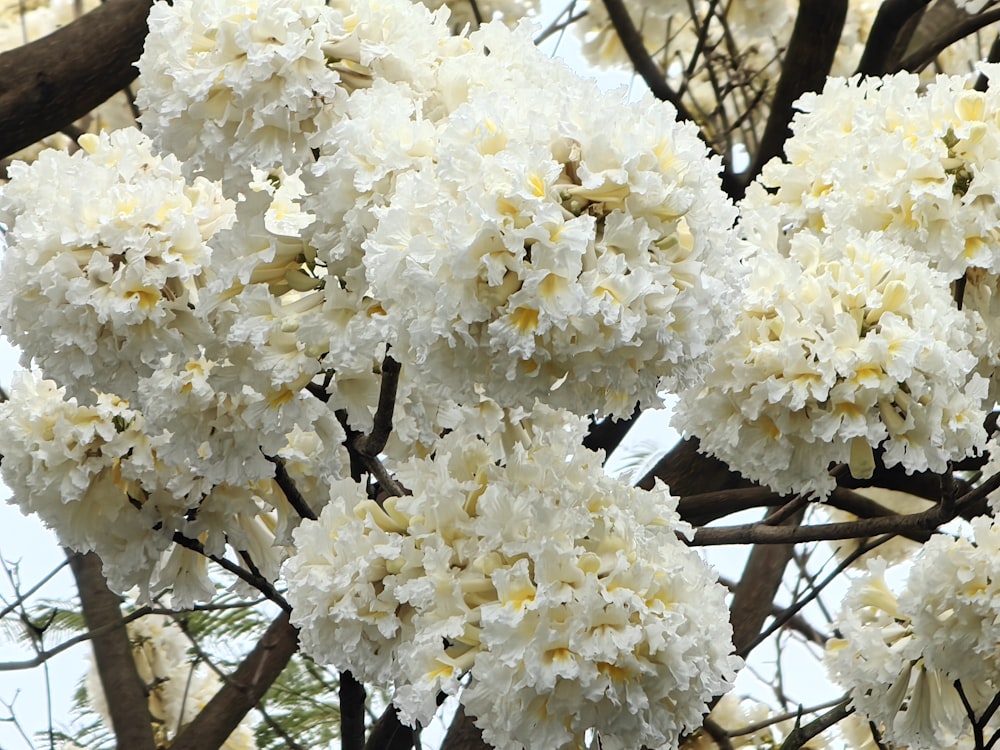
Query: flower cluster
column 904, row 658
column 573, row 247
column 228, row 86
column 902, row 358
column 842, row 345
column 915, row 163
column 561, row 600
column 99, row 477
column 108, row 251
column 462, row 204
column 499, row 231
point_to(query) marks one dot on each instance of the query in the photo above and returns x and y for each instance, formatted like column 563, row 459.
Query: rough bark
column 127, row 698
column 754, row 595
column 47, row 84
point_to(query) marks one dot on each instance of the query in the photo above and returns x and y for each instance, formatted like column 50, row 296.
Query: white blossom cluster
column 855, row 334
column 99, row 283
column 900, row 656
column 573, row 247
column 555, row 599
column 96, row 476
column 179, row 687
column 229, row 86
column 915, row 163
column 499, row 231
column 842, row 345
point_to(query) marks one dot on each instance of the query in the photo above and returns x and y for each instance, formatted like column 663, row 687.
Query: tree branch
column 608, row 433
column 918, row 59
column 892, row 16
column 287, row 485
column 126, row 695
column 754, row 596
column 688, row 472
column 800, row 735
column 352, row 712
column 47, row 84
column 806, row 65
column 389, row 733
column 645, row 66
column 463, row 734
column 242, row 690
column 910, row 524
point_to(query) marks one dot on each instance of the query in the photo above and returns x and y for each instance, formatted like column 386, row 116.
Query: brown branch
column 918, row 59
column 688, row 472
column 754, row 595
column 983, row 82
column 251, row 577
column 463, row 734
column 242, row 691
column 806, row 65
column 364, row 449
column 800, row 735
column 43, row 655
column 287, row 485
column 645, row 66
column 608, row 433
column 389, row 733
column 910, row 524
column 352, row 712
column 702, row 509
column 373, row 443
column 47, row 84
column 127, row 700
column 892, row 17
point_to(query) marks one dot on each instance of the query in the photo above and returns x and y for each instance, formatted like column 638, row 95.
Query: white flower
column 843, row 344
column 900, row 657
column 108, row 252
column 953, row 592
column 284, row 216
column 238, row 82
column 551, row 245
column 564, row 598
column 105, row 480
column 229, row 86
column 214, row 423
column 63, row 462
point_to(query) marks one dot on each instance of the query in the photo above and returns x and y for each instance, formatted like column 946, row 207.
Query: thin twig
column 287, row 486
column 257, row 581
column 644, row 65
column 801, row 735
column 781, row 620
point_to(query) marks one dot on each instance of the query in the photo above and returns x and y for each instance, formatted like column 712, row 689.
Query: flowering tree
column 357, row 310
